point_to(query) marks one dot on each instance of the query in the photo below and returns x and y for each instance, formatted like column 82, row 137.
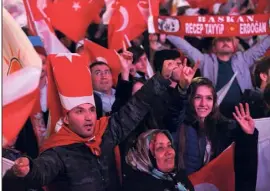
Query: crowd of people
column 149, row 132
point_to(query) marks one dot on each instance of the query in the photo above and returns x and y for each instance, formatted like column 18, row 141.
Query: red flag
column 204, row 4
column 218, row 174
column 21, row 72
column 73, row 17
column 261, row 6
column 39, row 25
column 126, row 20
column 149, row 8
column 109, row 10
column 99, row 53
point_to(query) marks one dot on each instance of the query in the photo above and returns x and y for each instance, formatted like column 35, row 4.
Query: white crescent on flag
column 125, row 16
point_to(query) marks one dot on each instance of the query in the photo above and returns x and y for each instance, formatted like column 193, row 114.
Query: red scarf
column 66, row 137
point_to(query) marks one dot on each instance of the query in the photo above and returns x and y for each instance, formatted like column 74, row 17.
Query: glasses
column 102, row 73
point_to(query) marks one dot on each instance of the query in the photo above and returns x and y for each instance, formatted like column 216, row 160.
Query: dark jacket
column 141, row 181
column 191, row 146
column 13, row 154
column 27, row 141
column 257, row 105
column 191, row 142
column 98, row 103
column 156, row 118
column 75, row 168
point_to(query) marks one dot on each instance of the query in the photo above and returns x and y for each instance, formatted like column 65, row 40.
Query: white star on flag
column 67, row 55
column 76, row 6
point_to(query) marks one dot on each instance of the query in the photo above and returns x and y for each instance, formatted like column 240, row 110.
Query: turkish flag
column 39, row 25
column 126, row 20
column 73, row 17
column 99, row 53
column 21, row 73
column 148, row 8
column 218, row 174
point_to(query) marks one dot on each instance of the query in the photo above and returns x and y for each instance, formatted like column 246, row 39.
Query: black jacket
column 257, row 105
column 27, row 141
column 157, row 118
column 141, row 181
column 75, row 168
column 98, row 103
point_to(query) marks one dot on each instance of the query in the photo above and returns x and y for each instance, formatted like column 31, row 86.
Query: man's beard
column 225, row 52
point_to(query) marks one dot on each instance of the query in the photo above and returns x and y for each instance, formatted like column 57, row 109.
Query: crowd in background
column 168, row 125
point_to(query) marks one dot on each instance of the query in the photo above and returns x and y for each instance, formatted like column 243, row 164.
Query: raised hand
column 126, row 59
column 188, row 72
column 244, row 119
column 21, row 167
column 185, row 74
column 168, row 67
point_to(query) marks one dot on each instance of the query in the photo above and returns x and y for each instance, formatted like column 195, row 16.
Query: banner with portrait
column 214, row 26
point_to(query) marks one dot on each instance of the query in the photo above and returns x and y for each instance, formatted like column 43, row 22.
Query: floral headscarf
column 140, row 158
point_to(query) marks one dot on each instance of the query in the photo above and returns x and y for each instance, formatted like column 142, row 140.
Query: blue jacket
column 191, row 146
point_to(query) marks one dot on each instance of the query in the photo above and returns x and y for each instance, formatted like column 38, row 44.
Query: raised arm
column 133, row 112
column 122, row 94
column 125, row 81
column 256, row 51
column 177, row 110
column 246, row 150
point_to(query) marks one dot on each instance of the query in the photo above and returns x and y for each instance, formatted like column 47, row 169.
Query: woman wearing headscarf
column 154, row 163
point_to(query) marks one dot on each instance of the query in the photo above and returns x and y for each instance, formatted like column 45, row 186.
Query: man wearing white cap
column 80, row 157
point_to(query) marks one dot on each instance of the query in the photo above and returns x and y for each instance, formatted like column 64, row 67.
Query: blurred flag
column 261, row 6
column 39, row 25
column 21, row 74
column 109, row 11
column 17, row 11
column 217, row 175
column 73, row 17
column 126, row 20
